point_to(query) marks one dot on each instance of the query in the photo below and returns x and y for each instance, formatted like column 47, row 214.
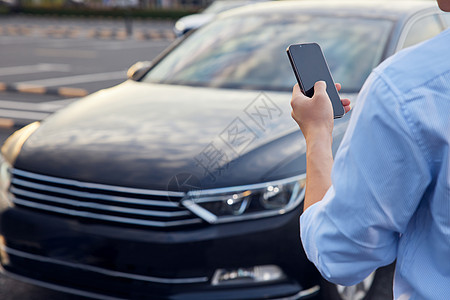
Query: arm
column 319, row 161
column 355, row 227
column 315, row 118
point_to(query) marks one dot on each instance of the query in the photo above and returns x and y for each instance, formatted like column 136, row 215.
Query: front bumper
column 112, row 262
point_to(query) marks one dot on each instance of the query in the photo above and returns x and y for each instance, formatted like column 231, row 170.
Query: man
column 387, row 196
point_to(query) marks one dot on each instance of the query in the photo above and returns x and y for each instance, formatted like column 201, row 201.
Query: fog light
column 257, row 274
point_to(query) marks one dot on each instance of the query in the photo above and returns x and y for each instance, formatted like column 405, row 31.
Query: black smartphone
column 310, row 66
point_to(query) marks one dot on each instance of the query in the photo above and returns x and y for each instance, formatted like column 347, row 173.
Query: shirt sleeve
column 378, row 179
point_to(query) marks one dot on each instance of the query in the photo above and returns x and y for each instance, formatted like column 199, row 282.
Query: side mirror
column 136, row 71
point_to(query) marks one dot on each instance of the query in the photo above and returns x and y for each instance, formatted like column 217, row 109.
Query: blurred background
column 53, row 52
column 191, row 4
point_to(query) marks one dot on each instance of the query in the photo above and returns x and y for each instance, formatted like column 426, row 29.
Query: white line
column 34, row 69
column 77, row 79
column 18, row 114
column 29, row 106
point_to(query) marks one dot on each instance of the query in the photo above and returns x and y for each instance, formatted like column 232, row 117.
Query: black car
column 187, row 180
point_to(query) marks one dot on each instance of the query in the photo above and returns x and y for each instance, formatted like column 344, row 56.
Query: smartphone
column 310, row 66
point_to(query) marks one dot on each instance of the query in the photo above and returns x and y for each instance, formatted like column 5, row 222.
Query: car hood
column 142, row 135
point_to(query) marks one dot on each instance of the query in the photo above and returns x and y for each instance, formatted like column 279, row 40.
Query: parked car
column 194, row 21
column 187, row 180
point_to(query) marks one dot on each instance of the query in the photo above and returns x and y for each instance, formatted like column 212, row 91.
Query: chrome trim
column 100, row 196
column 58, row 287
column 200, row 193
column 82, row 184
column 296, row 198
column 103, row 271
column 265, row 214
column 200, row 211
column 302, row 294
column 103, row 207
column 102, row 216
column 188, row 200
column 76, row 198
column 309, row 292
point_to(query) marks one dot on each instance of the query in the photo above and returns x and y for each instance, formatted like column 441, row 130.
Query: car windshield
column 250, row 52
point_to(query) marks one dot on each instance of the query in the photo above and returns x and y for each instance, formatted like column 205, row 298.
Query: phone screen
column 310, row 66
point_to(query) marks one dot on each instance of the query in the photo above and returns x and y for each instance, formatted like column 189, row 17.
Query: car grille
column 99, row 202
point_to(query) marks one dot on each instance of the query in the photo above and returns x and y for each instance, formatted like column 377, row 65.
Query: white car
column 194, row 21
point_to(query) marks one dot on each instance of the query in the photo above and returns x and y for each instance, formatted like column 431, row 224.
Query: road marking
column 71, row 53
column 6, row 123
column 75, row 79
column 34, row 69
column 18, row 105
column 42, row 90
column 20, row 114
column 30, row 88
column 101, row 33
column 71, row 92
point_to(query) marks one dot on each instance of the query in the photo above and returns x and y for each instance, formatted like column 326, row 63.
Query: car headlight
column 8, row 154
column 5, row 181
column 246, row 202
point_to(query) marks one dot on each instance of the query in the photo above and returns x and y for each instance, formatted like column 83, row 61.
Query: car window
column 250, row 52
column 422, row 29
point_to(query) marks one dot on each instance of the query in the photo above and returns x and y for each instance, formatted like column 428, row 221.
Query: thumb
column 320, row 88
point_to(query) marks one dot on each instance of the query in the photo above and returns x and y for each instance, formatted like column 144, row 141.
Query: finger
column 320, row 87
column 345, row 101
column 296, row 89
column 347, row 104
column 347, row 108
column 338, row 86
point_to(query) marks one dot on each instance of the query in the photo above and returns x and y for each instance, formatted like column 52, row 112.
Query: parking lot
column 42, row 71
column 48, row 63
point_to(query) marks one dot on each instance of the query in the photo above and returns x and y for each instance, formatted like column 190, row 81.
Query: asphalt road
column 84, row 56
column 35, row 66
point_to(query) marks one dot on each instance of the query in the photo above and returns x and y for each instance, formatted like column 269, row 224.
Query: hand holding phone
column 310, row 66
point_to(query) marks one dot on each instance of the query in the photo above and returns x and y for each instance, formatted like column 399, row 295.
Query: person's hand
column 315, row 115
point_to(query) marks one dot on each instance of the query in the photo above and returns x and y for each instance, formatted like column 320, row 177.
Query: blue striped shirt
column 390, row 197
